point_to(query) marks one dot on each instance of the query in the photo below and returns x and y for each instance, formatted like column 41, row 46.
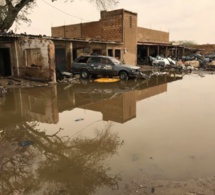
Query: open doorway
column 60, row 59
column 5, row 64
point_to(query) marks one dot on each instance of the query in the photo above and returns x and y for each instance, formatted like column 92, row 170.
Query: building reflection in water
column 29, row 104
column 116, row 101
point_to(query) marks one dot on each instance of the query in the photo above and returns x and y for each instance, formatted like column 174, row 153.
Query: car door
column 95, row 66
column 108, row 67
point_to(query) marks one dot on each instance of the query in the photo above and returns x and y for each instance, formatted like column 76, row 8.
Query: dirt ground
column 195, row 186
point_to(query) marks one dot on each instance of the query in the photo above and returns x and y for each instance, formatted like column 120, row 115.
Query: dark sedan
column 92, row 65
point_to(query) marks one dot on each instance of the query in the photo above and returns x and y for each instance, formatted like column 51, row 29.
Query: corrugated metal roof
column 88, row 40
column 154, row 43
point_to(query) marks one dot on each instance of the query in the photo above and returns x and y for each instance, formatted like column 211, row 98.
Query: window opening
column 117, row 53
column 110, row 52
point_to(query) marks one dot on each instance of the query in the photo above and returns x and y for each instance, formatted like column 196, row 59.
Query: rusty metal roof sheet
column 89, row 40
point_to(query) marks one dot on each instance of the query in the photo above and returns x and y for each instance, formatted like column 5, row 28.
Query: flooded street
column 151, row 136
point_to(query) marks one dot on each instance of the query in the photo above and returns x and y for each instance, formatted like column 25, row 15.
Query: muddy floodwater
column 153, row 136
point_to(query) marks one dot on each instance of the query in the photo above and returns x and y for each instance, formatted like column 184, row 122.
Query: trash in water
column 3, row 91
column 79, row 119
column 25, row 143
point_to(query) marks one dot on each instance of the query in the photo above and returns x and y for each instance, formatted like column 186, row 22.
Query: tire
column 84, row 74
column 123, row 75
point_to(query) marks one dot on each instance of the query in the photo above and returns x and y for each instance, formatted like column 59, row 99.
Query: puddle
column 146, row 137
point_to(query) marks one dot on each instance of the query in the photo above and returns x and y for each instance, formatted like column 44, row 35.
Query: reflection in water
column 53, row 164
column 116, row 101
column 56, row 164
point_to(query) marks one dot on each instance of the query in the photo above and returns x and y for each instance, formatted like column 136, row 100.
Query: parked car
column 209, row 58
column 197, row 57
column 93, row 65
column 161, row 61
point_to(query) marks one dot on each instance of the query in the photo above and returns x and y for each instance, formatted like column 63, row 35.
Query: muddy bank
column 12, row 82
column 195, row 186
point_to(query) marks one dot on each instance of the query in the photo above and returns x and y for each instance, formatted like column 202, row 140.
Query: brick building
column 119, row 26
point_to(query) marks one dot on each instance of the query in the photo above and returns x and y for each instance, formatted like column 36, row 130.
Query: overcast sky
column 192, row 20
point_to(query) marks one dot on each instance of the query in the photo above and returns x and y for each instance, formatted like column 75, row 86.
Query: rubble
column 3, row 91
column 12, row 82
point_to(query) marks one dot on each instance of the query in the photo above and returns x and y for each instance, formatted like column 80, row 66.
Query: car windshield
column 115, row 61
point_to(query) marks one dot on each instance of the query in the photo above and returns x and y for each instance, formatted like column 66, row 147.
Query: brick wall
column 130, row 37
column 149, row 35
column 112, row 25
column 206, row 48
column 91, row 30
column 68, row 31
column 58, row 31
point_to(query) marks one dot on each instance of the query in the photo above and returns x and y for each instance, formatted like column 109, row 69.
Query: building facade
column 115, row 34
column 137, row 43
column 27, row 56
column 39, row 57
column 119, row 26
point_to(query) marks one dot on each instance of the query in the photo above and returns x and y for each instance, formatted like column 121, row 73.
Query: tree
column 186, row 43
column 18, row 10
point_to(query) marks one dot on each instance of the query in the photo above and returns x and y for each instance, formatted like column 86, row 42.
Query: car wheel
column 123, row 75
column 84, row 74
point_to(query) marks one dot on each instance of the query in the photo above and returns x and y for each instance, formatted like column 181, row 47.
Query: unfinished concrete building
column 27, row 56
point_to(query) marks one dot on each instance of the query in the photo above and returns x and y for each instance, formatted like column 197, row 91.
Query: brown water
column 137, row 137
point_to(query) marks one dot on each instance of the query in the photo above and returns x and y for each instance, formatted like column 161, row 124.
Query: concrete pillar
column 176, row 52
column 148, row 53
column 69, row 56
column 158, row 50
column 183, row 51
column 166, row 51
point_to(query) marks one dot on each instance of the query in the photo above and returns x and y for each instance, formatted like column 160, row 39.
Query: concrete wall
column 130, row 37
column 149, row 35
column 36, row 58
